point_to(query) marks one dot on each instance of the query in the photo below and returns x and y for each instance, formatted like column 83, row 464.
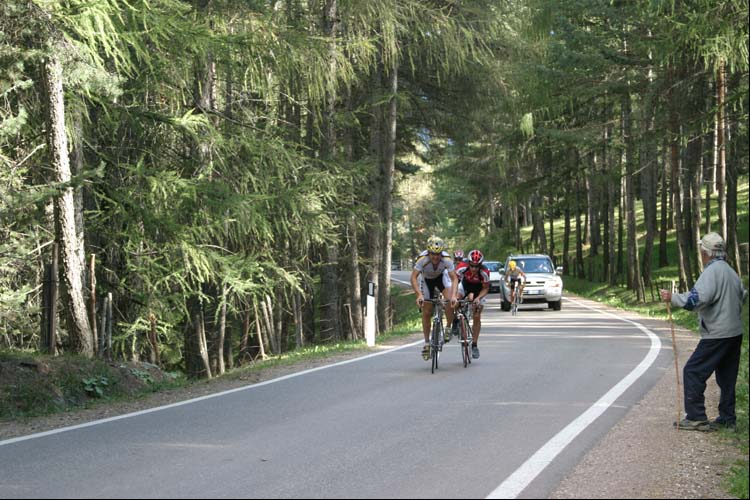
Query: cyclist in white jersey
column 431, row 265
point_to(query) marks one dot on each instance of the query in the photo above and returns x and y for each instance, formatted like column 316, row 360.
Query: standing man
column 431, row 264
column 717, row 296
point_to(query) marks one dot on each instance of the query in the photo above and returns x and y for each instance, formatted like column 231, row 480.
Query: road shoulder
column 23, row 427
column 643, row 456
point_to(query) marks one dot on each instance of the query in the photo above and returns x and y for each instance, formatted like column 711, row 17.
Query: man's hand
column 476, row 302
column 420, row 300
column 454, row 301
column 666, row 295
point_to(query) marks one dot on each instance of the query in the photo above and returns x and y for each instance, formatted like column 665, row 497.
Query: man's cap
column 712, row 242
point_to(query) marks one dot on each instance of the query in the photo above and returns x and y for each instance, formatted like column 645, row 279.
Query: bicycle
column 437, row 333
column 465, row 333
column 516, row 299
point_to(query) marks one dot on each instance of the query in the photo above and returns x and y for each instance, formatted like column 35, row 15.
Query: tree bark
column 721, row 167
column 79, row 329
column 664, row 218
column 635, row 278
column 674, row 137
column 389, row 163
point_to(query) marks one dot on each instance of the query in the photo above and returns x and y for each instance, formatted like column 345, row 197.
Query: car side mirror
column 559, row 269
column 501, row 270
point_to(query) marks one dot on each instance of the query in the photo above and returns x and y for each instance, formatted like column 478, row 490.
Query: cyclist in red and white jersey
column 474, row 284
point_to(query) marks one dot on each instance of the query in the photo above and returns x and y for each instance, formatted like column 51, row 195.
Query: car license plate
column 535, row 292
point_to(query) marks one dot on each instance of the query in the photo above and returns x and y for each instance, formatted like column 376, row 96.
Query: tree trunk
column 721, row 167
column 635, row 278
column 376, row 190
column 259, row 330
column 579, row 232
column 222, row 332
column 664, row 218
column 674, row 137
column 79, row 330
column 356, row 285
column 648, row 197
column 566, row 232
column 389, row 162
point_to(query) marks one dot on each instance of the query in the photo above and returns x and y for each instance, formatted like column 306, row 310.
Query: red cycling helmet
column 458, row 255
column 476, row 257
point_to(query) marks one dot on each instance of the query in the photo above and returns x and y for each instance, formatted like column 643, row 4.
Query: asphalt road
column 548, row 385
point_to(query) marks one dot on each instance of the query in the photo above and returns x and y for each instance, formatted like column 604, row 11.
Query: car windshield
column 492, row 266
column 535, row 265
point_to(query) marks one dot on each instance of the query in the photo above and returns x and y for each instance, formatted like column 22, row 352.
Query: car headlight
column 554, row 284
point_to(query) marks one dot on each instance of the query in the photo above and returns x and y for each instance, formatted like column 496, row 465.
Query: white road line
column 202, row 398
column 522, row 477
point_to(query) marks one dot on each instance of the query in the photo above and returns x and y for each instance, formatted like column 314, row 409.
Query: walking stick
column 676, row 363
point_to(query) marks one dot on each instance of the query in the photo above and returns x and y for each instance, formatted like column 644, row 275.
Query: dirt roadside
column 22, row 427
column 641, row 457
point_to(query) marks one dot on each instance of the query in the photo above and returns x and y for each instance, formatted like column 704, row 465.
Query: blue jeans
column 712, row 355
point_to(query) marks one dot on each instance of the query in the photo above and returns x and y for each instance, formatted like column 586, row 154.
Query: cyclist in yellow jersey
column 514, row 275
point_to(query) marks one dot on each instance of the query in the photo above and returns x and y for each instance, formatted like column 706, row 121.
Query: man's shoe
column 426, row 352
column 723, row 424
column 695, row 425
column 474, row 351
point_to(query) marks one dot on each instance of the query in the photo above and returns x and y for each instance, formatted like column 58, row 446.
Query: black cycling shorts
column 430, row 285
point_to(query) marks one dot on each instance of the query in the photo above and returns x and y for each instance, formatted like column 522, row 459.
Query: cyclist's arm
column 415, row 284
column 454, row 284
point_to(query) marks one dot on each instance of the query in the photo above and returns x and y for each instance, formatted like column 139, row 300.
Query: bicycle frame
column 466, row 336
column 437, row 332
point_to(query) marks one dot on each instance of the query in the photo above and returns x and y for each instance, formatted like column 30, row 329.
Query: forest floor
column 641, row 457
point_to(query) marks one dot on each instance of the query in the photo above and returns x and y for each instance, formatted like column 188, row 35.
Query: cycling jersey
column 515, row 273
column 430, row 271
column 473, row 282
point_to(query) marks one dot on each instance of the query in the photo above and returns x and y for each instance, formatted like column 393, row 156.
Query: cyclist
column 438, row 271
column 458, row 257
column 474, row 285
column 514, row 275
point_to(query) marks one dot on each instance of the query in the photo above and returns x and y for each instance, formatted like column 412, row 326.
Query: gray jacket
column 717, row 297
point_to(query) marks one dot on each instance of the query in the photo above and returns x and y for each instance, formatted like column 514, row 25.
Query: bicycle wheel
column 469, row 339
column 434, row 344
column 465, row 341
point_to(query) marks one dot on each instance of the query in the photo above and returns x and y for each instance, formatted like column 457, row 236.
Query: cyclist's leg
column 512, row 290
column 520, row 290
column 428, row 292
column 460, row 295
column 447, row 290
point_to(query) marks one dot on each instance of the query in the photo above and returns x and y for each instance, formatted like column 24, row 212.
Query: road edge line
column 514, row 484
column 202, row 398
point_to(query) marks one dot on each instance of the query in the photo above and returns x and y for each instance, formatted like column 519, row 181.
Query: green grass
column 69, row 382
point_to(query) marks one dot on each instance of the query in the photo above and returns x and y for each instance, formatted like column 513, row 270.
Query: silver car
column 495, row 277
column 543, row 282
